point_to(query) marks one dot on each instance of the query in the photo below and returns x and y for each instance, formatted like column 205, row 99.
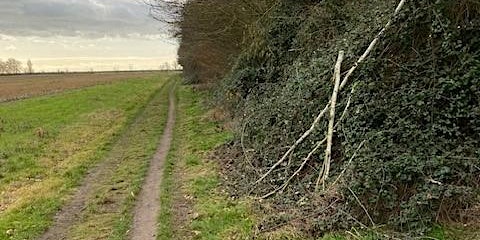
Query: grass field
column 48, row 143
column 109, row 211
column 23, row 86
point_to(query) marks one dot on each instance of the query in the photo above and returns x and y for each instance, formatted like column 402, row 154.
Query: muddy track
column 72, row 210
column 148, row 201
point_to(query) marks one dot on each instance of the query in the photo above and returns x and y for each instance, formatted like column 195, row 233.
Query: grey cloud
column 89, row 18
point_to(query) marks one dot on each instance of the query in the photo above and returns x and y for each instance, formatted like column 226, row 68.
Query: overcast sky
column 83, row 35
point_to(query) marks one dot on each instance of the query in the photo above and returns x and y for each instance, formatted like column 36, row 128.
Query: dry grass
column 24, row 86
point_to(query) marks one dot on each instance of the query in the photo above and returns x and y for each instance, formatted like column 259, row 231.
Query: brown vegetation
column 23, row 86
column 212, row 33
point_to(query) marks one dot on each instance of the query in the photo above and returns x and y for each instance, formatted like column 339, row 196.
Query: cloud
column 4, row 37
column 87, row 18
column 10, row 48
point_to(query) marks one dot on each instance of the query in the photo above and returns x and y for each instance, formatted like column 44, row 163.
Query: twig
column 306, row 159
column 328, row 152
column 300, row 140
column 361, row 205
column 354, row 219
column 349, row 162
column 342, row 85
column 353, row 235
column 347, row 106
column 431, row 180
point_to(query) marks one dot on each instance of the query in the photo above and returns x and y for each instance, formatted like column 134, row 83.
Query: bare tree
column 2, row 67
column 175, row 65
column 13, row 66
column 29, row 66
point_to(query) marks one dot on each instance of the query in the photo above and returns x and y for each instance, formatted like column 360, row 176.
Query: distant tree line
column 14, row 66
column 170, row 66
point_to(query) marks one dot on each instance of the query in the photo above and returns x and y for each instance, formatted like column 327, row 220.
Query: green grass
column 194, row 136
column 109, row 214
column 48, row 143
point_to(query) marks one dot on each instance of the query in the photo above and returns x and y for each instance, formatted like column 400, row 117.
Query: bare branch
column 361, row 205
column 300, row 140
column 372, row 44
column 342, row 85
column 328, row 151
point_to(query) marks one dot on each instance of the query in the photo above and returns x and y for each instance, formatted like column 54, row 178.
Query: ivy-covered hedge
column 416, row 104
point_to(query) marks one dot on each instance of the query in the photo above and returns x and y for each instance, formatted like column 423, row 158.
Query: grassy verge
column 190, row 175
column 48, row 143
column 109, row 212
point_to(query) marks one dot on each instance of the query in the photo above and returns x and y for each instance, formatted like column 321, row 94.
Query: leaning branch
column 342, row 85
column 331, row 123
column 310, row 154
column 300, row 140
column 372, row 44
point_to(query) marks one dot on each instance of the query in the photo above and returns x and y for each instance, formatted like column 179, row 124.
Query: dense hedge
column 417, row 105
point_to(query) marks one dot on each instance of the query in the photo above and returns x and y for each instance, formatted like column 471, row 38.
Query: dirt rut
column 70, row 213
column 148, row 201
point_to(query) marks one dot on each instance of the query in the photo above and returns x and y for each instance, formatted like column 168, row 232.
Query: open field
column 49, row 144
column 23, row 86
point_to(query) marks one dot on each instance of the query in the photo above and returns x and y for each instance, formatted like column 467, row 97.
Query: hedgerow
column 407, row 152
column 416, row 105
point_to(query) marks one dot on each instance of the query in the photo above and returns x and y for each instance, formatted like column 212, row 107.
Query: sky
column 83, row 35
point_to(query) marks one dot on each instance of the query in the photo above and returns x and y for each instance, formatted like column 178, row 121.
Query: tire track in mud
column 72, row 211
column 147, row 206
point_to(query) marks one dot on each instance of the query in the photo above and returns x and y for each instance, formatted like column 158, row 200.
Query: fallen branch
column 310, row 154
column 300, row 140
column 342, row 85
column 361, row 205
column 349, row 162
column 372, row 44
column 331, row 123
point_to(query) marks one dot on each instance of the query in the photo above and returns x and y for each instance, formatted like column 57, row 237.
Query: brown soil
column 23, row 86
column 148, row 201
column 70, row 213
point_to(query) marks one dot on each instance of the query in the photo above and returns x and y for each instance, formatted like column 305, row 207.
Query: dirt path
column 69, row 214
column 72, row 211
column 148, row 201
